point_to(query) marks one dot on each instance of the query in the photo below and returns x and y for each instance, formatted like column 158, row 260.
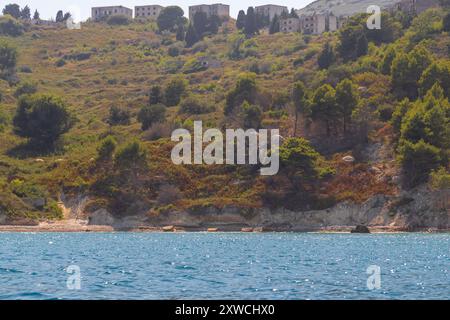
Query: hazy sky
column 48, row 8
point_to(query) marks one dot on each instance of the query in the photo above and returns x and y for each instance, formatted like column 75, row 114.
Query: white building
column 150, row 12
column 218, row 9
column 270, row 10
column 99, row 13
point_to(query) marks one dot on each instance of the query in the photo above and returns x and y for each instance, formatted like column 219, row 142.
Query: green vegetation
column 125, row 87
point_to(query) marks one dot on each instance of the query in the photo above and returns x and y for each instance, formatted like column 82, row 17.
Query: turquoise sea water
column 223, row 266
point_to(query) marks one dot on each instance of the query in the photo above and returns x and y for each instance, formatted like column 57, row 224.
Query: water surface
column 224, row 266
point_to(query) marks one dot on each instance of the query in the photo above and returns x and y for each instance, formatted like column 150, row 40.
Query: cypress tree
column 191, row 36
column 240, row 22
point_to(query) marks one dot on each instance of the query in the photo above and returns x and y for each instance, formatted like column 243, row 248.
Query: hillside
column 102, row 66
column 344, row 7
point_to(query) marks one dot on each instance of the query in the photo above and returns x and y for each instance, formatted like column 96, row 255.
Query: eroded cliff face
column 417, row 210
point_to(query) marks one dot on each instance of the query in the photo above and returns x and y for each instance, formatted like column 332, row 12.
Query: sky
column 82, row 8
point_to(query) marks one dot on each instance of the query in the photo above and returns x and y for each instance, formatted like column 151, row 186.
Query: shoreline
column 82, row 228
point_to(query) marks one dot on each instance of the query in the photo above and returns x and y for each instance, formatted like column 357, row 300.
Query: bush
column 25, row 88
column 192, row 105
column 106, row 149
column 418, row 161
column 8, row 56
column 25, row 69
column 174, row 91
column 118, row 20
column 10, row 27
column 252, row 116
column 298, row 157
column 80, row 56
column 60, row 63
column 118, row 116
column 42, row 118
column 149, row 115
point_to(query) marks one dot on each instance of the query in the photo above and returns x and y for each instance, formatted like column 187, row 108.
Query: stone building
column 99, row 13
column 218, row 9
column 314, row 24
column 150, row 12
column 288, row 25
column 310, row 24
column 270, row 10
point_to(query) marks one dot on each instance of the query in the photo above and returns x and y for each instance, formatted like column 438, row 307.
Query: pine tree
column 300, row 101
column 36, row 15
column 26, row 13
column 362, row 46
column 240, row 22
column 327, row 57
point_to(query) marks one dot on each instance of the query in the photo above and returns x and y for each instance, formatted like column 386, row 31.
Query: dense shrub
column 174, row 91
column 118, row 20
column 118, row 116
column 10, row 27
column 25, row 88
column 8, row 56
column 42, row 118
column 193, row 105
column 151, row 114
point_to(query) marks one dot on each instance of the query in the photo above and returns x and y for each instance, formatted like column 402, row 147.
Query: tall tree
column 181, row 33
column 26, row 13
column 299, row 99
column 324, row 107
column 36, row 15
column 347, row 100
column 240, row 22
column 250, row 22
column 59, row 16
column 170, row 17
column 191, row 36
column 274, row 25
column 200, row 23
column 362, row 46
column 326, row 57
column 13, row 10
column 42, row 119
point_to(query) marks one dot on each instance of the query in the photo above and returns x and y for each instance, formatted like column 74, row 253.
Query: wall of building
column 271, row 10
column 288, row 25
column 98, row 13
column 150, row 12
column 218, row 9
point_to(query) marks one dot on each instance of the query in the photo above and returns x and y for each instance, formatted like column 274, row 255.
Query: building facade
column 314, row 24
column 270, row 10
column 218, row 9
column 310, row 24
column 288, row 25
column 99, row 13
column 150, row 12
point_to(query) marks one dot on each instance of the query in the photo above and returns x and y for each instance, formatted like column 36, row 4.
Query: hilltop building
column 310, row 24
column 270, row 10
column 150, row 12
column 288, row 25
column 218, row 9
column 99, row 13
